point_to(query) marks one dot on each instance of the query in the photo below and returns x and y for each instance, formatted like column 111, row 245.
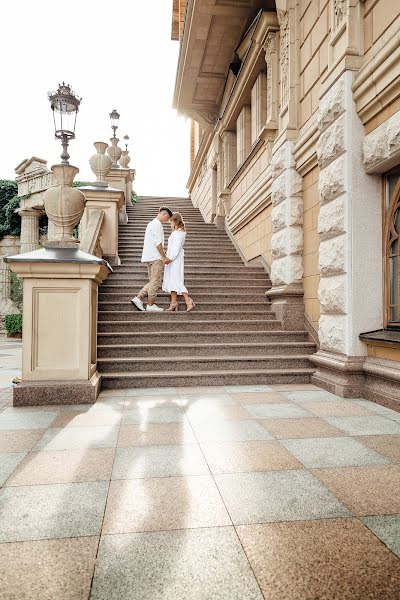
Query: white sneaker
column 138, row 303
column 153, row 308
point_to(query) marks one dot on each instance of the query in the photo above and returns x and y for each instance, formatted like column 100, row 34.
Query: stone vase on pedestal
column 64, row 205
column 114, row 151
column 125, row 159
column 100, row 164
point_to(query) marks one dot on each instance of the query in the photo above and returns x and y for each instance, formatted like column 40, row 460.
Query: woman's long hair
column 178, row 221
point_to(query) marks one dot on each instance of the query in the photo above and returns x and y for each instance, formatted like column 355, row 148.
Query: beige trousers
column 155, row 271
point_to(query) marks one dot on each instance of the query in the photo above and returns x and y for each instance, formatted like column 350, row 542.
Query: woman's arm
column 175, row 245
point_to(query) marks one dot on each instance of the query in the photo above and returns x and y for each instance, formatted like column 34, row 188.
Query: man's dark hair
column 165, row 209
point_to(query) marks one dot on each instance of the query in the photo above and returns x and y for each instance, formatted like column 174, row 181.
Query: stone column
column 350, row 254
column 272, row 60
column 243, row 134
column 287, row 238
column 258, row 106
column 29, row 229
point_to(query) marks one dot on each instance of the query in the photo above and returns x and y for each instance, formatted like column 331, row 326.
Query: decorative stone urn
column 100, row 164
column 125, row 159
column 64, row 206
column 114, row 151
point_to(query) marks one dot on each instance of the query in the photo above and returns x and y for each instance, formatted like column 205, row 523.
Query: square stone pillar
column 29, row 229
column 119, row 178
column 110, row 200
column 59, row 343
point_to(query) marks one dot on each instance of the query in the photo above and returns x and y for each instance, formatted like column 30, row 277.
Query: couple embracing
column 171, row 263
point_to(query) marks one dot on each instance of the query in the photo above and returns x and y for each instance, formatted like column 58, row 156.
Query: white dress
column 174, row 273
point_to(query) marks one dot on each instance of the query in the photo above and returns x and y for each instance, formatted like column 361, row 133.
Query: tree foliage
column 10, row 223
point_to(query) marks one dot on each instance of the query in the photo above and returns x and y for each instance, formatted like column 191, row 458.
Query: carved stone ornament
column 100, row 164
column 283, row 18
column 339, row 12
column 270, row 48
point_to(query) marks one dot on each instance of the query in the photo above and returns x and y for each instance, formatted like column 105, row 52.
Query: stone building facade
column 295, row 151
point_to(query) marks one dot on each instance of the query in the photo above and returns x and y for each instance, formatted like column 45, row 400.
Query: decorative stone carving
column 332, row 256
column 100, row 164
column 339, row 11
column 125, row 159
column 114, row 151
column 271, row 58
column 331, row 218
column 331, row 143
column 283, row 17
column 64, row 205
column 381, row 147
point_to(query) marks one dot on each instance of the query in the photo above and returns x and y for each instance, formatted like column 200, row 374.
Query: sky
column 115, row 55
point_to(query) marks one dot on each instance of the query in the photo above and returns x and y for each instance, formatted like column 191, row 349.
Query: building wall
column 254, row 238
column 311, row 206
column 201, row 193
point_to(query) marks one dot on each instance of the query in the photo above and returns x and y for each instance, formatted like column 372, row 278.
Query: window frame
column 387, row 220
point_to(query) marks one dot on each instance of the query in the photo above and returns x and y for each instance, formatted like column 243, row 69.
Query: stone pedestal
column 287, row 303
column 110, row 200
column 29, row 229
column 118, row 178
column 59, row 344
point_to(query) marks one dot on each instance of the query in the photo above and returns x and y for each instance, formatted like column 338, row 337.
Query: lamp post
column 114, row 151
column 126, row 138
column 125, row 158
column 114, row 118
column 65, row 106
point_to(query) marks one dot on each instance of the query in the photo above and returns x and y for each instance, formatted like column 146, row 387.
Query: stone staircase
column 231, row 338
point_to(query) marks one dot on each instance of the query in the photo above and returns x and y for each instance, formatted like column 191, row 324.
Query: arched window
column 391, row 249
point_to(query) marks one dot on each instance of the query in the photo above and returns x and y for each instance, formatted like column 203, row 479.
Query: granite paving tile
column 279, row 411
column 167, row 391
column 9, row 461
column 159, row 461
column 387, row 529
column 72, row 438
column 192, row 564
column 237, row 389
column 48, row 569
column 379, row 409
column 64, row 466
column 389, row 445
column 339, row 408
column 155, row 434
column 163, row 504
column 300, row 428
column 289, row 387
column 277, row 496
column 199, row 412
column 207, row 400
column 151, row 402
column 26, row 420
column 51, row 511
column 314, row 395
column 374, row 425
column 333, row 452
column 19, row 440
column 327, row 559
column 88, row 419
column 230, row 431
column 168, row 414
column 235, row 457
column 366, row 491
column 260, row 398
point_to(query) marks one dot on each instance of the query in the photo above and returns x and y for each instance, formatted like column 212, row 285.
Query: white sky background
column 115, row 55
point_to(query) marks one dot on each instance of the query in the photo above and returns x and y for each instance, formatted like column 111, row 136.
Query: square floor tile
column 393, row 415
column 159, row 461
column 168, row 414
column 300, row 428
column 108, row 404
column 144, row 402
column 236, row 457
column 192, row 564
column 365, row 425
column 280, row 411
column 387, row 529
column 315, row 395
column 207, row 400
column 277, row 496
column 87, row 419
column 330, row 559
column 200, row 412
column 64, row 466
column 164, row 503
column 389, row 445
column 26, row 420
column 260, row 398
column 19, row 440
column 230, row 431
column 333, row 452
column 339, row 408
column 65, row 572
column 236, row 389
column 211, row 389
column 51, row 511
column 72, row 438
column 151, row 392
column 372, row 490
column 155, row 434
column 116, row 392
column 289, row 387
column 8, row 463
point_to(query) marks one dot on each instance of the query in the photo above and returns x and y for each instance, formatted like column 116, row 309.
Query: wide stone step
column 203, row 363
column 193, row 268
column 261, row 336
column 205, row 289
column 201, row 298
column 221, row 306
column 217, row 312
column 211, row 278
column 169, row 326
column 204, row 253
column 214, row 349
column 189, row 261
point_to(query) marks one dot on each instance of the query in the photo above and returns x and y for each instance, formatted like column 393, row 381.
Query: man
column 154, row 256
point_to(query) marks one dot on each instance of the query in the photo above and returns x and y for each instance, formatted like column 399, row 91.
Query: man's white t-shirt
column 152, row 238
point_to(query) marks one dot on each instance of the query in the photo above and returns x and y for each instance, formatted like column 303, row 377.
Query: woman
column 173, row 282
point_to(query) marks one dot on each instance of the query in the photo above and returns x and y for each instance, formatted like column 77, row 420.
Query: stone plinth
column 110, row 200
column 119, row 178
column 59, row 344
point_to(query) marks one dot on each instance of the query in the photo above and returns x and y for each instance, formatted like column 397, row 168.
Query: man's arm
column 164, row 258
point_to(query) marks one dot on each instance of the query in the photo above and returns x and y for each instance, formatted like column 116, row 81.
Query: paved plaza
column 235, row 493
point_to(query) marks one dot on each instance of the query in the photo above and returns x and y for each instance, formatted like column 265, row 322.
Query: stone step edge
column 203, row 359
column 239, row 372
column 215, row 345
column 208, row 333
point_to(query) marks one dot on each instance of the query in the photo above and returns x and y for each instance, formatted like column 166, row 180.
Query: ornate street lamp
column 126, row 138
column 114, row 118
column 65, row 106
